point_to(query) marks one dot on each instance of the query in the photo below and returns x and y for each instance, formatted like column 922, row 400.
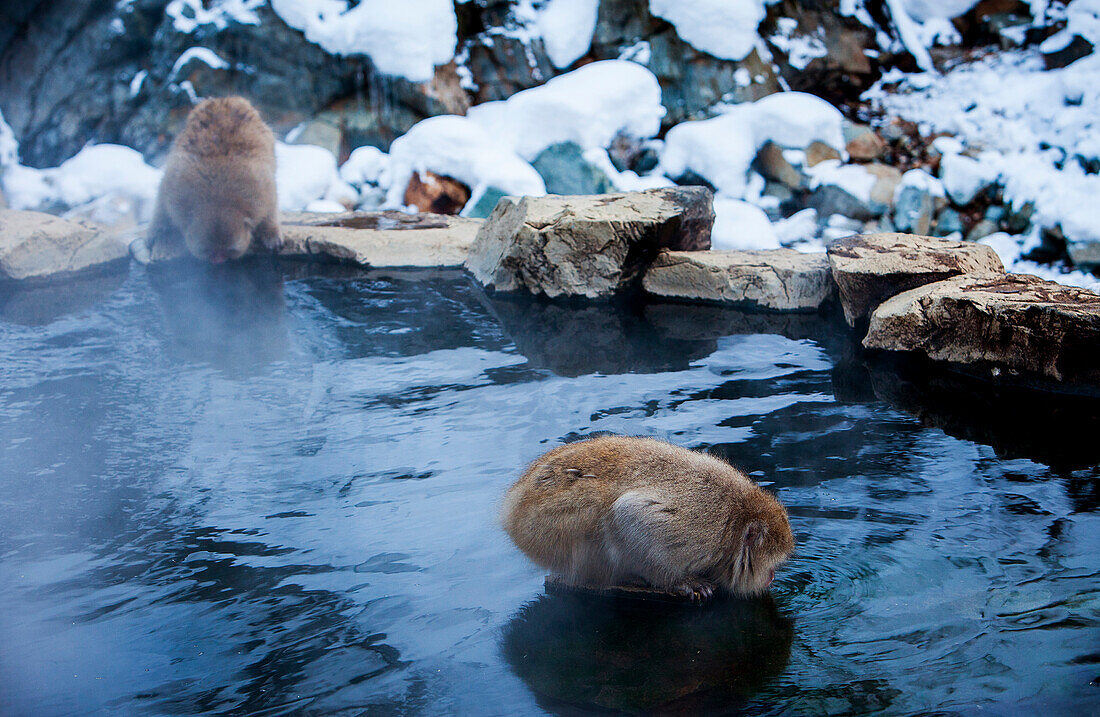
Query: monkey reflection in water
column 577, row 652
column 617, row 510
column 231, row 316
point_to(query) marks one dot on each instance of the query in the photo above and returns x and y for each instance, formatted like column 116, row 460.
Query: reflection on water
column 257, row 489
column 581, row 651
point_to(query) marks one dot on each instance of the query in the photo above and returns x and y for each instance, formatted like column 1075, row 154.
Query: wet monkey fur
column 217, row 195
column 617, row 510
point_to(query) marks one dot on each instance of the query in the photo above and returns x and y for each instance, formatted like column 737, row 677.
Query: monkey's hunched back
column 218, row 191
column 615, row 510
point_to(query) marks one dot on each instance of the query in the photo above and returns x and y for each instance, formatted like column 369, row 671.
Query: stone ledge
column 388, row 239
column 1013, row 323
column 870, row 268
column 775, row 279
column 36, row 245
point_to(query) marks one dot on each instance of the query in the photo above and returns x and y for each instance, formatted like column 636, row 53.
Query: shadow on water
column 1055, row 429
column 627, row 335
column 232, row 316
column 581, row 653
column 37, row 303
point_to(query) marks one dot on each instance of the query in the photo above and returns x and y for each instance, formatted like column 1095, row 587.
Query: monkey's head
column 220, row 234
column 761, row 543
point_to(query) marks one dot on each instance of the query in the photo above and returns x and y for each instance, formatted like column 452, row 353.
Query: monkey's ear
column 754, row 535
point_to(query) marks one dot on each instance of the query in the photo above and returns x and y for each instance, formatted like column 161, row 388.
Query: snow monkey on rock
column 617, row 510
column 218, row 190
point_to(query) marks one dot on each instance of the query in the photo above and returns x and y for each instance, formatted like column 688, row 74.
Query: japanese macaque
column 218, row 190
column 617, row 510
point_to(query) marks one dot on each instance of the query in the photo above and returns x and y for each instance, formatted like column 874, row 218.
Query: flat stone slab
column 870, row 268
column 386, row 239
column 586, row 245
column 36, row 245
column 775, row 279
column 1014, row 323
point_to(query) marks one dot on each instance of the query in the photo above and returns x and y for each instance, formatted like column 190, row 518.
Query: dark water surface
column 256, row 491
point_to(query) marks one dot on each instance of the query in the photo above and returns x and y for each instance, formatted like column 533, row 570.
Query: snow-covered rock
column 739, row 225
column 566, row 27
column 461, row 148
column 723, row 28
column 587, row 106
column 303, row 173
column 407, row 38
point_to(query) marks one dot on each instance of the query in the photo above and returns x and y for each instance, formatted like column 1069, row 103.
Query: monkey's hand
column 695, row 589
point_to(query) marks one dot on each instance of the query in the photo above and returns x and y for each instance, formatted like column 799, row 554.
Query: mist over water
column 265, row 490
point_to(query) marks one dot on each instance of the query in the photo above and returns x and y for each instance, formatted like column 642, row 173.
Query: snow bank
column 566, row 27
column 852, row 178
column 1032, row 124
column 588, row 106
column 304, row 174
column 739, row 225
column 406, row 38
column 365, row 165
column 723, row 28
column 461, row 148
column 722, row 149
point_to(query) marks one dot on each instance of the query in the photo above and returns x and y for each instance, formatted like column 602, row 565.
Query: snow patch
column 725, row 29
column 739, row 225
column 201, row 54
column 303, row 173
column 189, row 15
column 407, row 39
column 566, row 27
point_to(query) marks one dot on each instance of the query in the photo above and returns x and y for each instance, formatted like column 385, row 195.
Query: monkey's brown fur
column 617, row 510
column 218, row 190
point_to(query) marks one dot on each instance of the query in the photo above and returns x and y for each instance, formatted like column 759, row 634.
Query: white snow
column 852, row 178
column 458, row 147
column 800, row 49
column 201, row 54
column 137, row 81
column 921, row 180
column 406, row 38
column 722, row 148
column 9, row 147
column 566, row 27
column 1009, row 247
column 963, row 177
column 365, row 165
column 739, row 225
column 725, row 29
column 190, row 15
column 303, row 173
column 588, row 106
column 1030, row 124
column 799, row 231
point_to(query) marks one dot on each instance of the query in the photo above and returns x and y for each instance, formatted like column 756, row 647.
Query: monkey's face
column 219, row 236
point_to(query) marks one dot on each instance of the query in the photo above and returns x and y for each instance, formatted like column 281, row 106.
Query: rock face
column 870, row 268
column 376, row 239
column 34, row 245
column 586, row 246
column 1011, row 322
column 779, row 280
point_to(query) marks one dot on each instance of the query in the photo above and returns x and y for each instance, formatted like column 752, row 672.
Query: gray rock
column 771, row 164
column 376, row 239
column 564, row 170
column 35, row 245
column 779, row 279
column 913, row 210
column 870, row 268
column 1009, row 323
column 485, row 204
column 588, row 245
column 1084, row 254
column 948, row 222
column 981, row 230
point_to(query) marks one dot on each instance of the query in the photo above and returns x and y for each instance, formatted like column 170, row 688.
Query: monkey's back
column 557, row 511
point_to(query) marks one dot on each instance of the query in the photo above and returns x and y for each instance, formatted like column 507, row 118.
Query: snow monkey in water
column 218, row 190
column 617, row 510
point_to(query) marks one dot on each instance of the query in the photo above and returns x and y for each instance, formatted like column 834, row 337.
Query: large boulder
column 36, row 245
column 870, row 268
column 779, row 279
column 586, row 245
column 376, row 239
column 1015, row 323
